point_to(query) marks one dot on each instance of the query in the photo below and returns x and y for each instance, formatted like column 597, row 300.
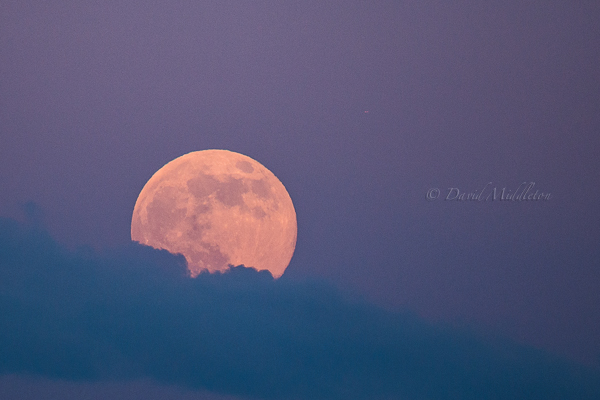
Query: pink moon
column 217, row 208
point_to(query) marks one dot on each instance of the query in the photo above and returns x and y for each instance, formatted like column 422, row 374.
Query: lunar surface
column 217, row 208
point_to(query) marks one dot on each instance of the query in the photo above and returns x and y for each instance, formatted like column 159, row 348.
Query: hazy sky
column 360, row 108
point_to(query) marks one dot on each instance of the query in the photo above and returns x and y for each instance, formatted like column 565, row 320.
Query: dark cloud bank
column 132, row 313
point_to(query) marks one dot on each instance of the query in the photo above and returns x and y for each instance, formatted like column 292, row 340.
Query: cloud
column 132, row 313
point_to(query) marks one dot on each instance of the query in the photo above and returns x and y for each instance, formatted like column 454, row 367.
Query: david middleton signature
column 523, row 192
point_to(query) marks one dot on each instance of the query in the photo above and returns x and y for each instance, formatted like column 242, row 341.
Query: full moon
column 217, row 208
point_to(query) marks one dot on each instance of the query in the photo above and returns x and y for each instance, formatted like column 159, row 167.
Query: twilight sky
column 359, row 108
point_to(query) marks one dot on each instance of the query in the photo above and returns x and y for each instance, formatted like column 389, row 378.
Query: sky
column 376, row 116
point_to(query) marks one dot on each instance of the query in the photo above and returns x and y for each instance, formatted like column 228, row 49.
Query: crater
column 258, row 213
column 203, row 208
column 261, row 188
column 196, row 228
column 203, row 185
column 244, row 166
column 230, row 192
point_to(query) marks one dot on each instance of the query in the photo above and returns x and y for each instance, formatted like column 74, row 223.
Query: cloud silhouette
column 134, row 313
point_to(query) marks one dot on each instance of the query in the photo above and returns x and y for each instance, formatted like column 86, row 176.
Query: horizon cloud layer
column 134, row 313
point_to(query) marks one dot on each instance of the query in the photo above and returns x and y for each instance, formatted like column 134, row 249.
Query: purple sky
column 359, row 108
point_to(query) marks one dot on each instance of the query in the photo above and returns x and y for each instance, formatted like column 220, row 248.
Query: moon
column 217, row 208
